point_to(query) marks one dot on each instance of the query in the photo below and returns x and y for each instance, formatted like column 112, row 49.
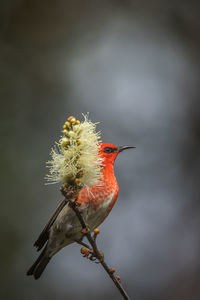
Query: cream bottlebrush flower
column 75, row 160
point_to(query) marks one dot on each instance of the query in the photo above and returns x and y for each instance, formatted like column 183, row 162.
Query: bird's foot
column 86, row 229
column 89, row 254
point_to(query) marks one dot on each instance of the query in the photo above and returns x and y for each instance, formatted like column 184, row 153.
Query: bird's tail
column 39, row 265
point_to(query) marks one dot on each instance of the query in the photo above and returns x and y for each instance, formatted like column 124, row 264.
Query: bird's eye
column 109, row 150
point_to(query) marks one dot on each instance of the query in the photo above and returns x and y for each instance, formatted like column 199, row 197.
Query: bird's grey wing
column 44, row 235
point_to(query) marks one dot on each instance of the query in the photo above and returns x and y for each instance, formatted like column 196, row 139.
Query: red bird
column 96, row 203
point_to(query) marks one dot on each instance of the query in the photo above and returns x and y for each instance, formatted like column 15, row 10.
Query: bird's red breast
column 102, row 196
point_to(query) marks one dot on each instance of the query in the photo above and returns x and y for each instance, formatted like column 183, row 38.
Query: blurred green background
column 134, row 65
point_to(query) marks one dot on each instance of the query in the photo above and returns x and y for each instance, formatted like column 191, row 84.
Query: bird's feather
column 44, row 235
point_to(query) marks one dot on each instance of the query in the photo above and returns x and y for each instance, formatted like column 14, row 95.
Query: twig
column 71, row 198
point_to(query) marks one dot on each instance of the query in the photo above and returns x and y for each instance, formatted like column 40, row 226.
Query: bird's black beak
column 122, row 148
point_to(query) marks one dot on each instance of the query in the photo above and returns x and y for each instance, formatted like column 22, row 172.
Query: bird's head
column 110, row 152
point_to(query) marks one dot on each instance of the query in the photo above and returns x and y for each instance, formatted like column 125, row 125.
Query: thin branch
column 71, row 198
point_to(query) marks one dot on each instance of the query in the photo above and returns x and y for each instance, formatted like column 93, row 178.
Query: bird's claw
column 89, row 254
column 92, row 257
column 85, row 230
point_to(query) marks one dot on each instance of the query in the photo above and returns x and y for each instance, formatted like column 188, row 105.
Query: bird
column 95, row 203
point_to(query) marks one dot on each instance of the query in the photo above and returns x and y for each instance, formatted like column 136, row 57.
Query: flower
column 74, row 159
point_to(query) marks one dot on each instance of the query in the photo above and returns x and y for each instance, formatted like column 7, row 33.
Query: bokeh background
column 134, row 65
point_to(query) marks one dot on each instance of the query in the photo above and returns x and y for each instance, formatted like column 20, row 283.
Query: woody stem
column 92, row 242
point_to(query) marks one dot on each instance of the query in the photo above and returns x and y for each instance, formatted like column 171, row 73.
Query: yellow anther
column 73, row 120
column 64, row 131
column 67, row 124
column 71, row 133
column 64, row 142
column 69, row 119
column 77, row 181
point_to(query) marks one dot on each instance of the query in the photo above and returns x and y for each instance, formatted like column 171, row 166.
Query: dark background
column 134, row 65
